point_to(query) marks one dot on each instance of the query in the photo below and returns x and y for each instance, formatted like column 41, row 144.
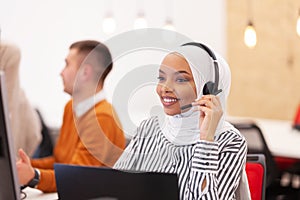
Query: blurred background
column 265, row 71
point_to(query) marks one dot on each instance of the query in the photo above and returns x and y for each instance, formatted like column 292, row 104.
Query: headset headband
column 209, row 87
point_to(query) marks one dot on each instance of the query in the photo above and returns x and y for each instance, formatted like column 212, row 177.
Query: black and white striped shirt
column 219, row 163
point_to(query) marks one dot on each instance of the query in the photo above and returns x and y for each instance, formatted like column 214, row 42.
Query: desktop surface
column 81, row 182
column 35, row 194
column 281, row 138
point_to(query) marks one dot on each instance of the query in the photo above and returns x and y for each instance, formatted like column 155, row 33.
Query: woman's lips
column 168, row 101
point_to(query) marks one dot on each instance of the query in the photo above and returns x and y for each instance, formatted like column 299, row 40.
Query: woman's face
column 176, row 86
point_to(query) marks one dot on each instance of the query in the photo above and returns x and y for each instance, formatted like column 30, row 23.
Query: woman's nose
column 167, row 87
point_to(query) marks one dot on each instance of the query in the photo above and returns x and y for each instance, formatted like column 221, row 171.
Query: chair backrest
column 46, row 146
column 256, row 174
column 257, row 145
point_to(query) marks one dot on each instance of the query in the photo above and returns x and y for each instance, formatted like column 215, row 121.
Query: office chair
column 256, row 174
column 46, row 146
column 257, row 145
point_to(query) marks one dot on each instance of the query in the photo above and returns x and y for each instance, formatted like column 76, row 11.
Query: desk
column 35, row 194
column 282, row 140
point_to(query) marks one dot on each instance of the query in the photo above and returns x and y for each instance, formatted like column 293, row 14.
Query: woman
column 207, row 153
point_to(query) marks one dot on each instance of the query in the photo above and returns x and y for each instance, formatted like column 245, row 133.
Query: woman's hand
column 210, row 114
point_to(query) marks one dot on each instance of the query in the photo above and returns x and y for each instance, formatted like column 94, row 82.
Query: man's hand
column 24, row 168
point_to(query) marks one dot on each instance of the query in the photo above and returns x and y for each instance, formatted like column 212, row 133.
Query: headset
column 209, row 87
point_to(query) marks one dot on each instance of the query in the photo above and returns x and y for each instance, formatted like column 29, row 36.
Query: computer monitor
column 9, row 187
column 91, row 183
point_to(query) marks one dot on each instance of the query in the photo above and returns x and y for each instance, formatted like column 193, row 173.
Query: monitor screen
column 9, row 187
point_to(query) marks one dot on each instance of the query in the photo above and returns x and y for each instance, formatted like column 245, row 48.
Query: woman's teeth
column 169, row 100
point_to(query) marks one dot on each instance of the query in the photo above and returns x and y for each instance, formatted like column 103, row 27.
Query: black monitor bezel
column 9, row 185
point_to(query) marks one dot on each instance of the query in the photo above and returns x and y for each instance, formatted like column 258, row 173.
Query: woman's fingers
column 210, row 113
column 209, row 101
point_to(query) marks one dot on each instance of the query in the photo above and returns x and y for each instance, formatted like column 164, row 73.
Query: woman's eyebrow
column 182, row 72
column 176, row 73
column 161, row 71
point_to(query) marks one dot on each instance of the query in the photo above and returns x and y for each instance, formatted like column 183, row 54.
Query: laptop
column 99, row 183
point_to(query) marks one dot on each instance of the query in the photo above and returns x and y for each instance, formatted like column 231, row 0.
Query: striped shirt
column 219, row 163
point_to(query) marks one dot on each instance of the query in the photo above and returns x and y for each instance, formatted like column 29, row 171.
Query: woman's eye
column 160, row 78
column 180, row 80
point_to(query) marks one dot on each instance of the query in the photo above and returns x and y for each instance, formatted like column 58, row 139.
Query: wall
column 266, row 79
column 45, row 29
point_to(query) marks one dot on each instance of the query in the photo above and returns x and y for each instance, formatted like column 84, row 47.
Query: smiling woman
column 206, row 152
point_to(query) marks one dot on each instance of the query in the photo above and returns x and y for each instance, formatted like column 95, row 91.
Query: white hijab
column 183, row 129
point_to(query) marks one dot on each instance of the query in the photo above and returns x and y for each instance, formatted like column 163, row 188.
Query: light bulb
column 140, row 22
column 109, row 24
column 250, row 35
column 169, row 25
column 298, row 24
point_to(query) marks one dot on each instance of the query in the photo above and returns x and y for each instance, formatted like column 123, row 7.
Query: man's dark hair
column 95, row 50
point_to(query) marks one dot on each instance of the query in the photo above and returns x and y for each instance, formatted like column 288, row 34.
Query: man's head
column 87, row 61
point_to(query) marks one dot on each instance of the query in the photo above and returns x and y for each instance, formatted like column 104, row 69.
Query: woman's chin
column 171, row 112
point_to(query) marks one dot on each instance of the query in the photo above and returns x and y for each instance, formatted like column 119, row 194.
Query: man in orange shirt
column 91, row 133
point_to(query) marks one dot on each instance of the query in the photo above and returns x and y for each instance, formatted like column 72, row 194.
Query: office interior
column 265, row 77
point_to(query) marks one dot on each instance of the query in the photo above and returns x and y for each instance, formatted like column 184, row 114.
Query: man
column 91, row 133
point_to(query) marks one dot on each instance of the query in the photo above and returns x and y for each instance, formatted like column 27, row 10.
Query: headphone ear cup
column 208, row 88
